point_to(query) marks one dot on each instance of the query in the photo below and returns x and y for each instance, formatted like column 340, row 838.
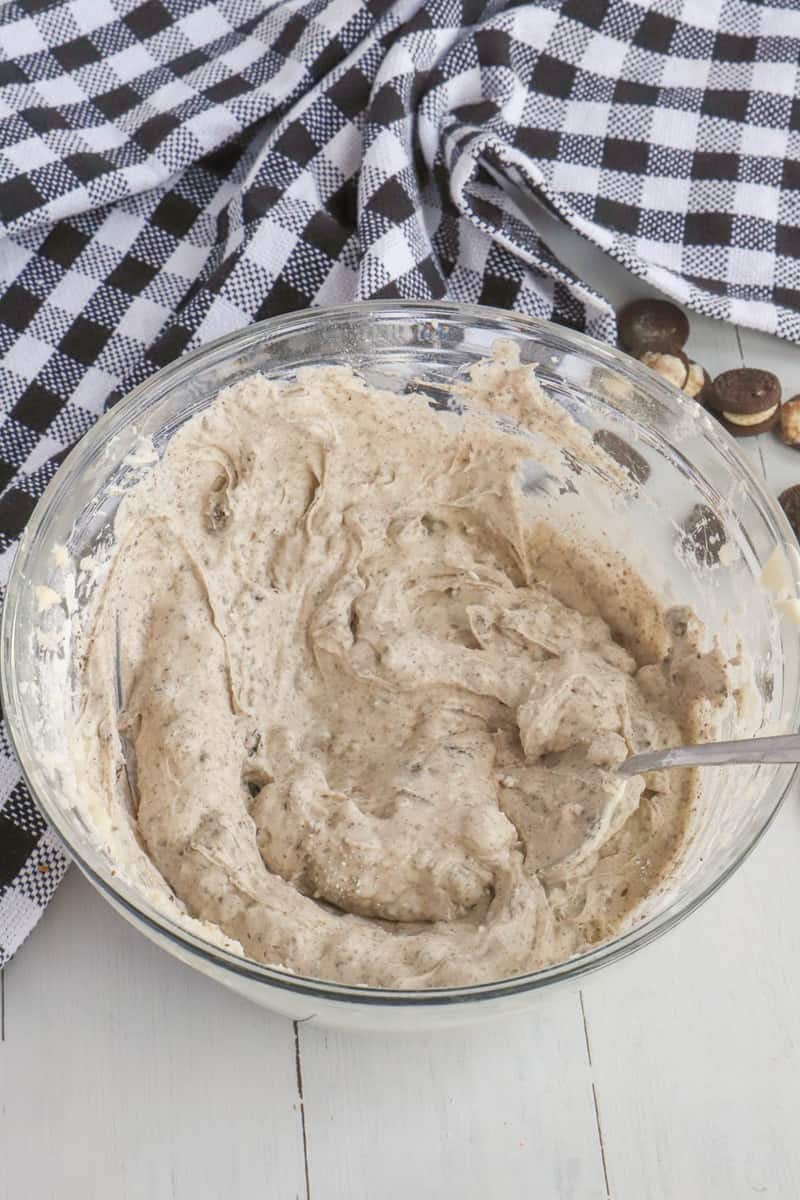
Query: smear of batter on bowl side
column 372, row 704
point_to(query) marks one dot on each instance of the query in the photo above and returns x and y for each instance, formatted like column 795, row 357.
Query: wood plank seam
column 299, row 1071
column 739, row 343
column 595, row 1098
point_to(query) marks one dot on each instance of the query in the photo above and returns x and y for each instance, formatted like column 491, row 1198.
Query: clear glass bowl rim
column 204, row 954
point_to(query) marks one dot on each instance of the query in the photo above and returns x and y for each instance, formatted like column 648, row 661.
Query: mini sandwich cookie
column 746, row 400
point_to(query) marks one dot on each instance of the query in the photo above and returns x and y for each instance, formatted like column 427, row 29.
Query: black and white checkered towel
column 173, row 169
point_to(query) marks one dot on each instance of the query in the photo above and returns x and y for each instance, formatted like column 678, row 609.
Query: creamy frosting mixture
column 360, row 707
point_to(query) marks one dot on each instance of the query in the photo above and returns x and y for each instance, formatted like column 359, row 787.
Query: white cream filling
column 750, row 418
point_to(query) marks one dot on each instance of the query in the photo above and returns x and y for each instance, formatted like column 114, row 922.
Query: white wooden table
column 674, row 1076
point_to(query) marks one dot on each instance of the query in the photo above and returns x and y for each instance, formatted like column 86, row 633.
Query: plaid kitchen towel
column 173, row 169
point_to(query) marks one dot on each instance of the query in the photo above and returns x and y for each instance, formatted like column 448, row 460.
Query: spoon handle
column 783, row 749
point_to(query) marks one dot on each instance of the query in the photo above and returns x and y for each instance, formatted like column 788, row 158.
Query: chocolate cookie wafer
column 789, row 501
column 654, row 325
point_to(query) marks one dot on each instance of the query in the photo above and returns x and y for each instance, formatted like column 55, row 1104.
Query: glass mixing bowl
column 406, row 346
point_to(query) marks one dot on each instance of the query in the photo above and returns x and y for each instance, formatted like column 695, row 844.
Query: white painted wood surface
column 674, row 1076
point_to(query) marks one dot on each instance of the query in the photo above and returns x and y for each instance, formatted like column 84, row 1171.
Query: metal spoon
column 783, row 749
